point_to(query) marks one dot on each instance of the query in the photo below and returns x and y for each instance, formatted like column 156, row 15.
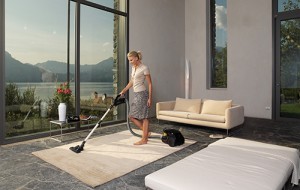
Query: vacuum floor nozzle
column 77, row 149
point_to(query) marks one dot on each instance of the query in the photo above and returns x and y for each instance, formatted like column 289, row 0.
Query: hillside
column 52, row 71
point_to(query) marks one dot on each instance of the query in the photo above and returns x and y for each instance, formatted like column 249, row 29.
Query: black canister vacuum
column 120, row 99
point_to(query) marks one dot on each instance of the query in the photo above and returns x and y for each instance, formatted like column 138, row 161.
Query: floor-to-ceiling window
column 217, row 43
column 99, row 60
column 42, row 47
column 35, row 61
column 287, row 14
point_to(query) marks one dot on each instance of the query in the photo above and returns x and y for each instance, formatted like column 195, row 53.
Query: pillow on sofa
column 188, row 105
column 215, row 107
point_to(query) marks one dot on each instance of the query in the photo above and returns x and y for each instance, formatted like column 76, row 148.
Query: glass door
column 288, row 68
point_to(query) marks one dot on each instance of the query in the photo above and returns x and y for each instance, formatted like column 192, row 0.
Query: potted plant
column 63, row 93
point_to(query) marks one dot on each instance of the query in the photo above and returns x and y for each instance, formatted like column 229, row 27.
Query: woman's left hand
column 149, row 102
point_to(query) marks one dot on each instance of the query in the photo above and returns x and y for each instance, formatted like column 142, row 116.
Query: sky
column 36, row 31
column 221, row 23
column 282, row 2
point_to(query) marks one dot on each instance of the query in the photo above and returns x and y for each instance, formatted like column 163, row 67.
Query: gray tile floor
column 23, row 171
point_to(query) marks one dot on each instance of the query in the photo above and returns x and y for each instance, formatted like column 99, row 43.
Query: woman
column 139, row 109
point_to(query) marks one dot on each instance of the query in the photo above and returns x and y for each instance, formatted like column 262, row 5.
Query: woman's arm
column 149, row 81
column 128, row 86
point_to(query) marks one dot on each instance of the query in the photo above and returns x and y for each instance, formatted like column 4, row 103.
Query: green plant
column 12, row 95
column 29, row 95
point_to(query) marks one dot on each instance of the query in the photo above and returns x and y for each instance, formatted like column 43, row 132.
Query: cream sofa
column 211, row 113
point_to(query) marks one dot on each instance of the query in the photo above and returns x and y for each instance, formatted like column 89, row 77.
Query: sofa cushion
column 215, row 107
column 207, row 117
column 188, row 105
column 172, row 113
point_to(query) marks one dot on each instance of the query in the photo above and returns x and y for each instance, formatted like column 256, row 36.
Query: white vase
column 62, row 111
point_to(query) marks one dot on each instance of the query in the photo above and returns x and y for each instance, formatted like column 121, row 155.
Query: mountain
column 219, row 48
column 15, row 71
column 101, row 72
column 55, row 66
column 52, row 71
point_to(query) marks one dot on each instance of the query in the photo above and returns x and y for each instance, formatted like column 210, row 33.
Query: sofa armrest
column 169, row 105
column 234, row 116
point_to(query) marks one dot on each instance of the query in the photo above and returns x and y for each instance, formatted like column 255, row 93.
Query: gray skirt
column 139, row 108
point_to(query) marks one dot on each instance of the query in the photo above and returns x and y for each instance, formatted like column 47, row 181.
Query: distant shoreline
column 46, row 90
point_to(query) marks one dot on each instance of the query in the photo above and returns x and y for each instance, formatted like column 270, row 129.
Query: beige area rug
column 107, row 157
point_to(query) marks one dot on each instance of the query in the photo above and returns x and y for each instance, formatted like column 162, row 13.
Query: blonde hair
column 137, row 54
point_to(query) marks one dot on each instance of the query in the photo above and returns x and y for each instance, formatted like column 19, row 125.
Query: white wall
column 170, row 31
column 195, row 45
column 249, row 54
column 156, row 27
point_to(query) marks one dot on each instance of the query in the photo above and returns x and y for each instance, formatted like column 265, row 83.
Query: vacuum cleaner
column 120, row 99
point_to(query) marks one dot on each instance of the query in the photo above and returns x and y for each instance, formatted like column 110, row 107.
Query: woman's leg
column 145, row 135
column 137, row 122
column 145, row 129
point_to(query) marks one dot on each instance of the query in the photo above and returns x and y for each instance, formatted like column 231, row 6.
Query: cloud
column 106, row 44
column 107, row 47
column 221, row 17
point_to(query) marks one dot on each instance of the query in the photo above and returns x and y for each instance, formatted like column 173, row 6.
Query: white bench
column 230, row 163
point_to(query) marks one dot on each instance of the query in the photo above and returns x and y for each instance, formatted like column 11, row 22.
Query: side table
column 61, row 124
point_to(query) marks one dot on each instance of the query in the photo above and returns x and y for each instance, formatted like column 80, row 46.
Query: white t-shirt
column 138, row 76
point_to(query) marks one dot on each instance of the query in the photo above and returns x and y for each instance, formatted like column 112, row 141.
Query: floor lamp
column 187, row 79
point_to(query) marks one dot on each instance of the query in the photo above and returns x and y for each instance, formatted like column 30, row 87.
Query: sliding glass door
column 288, row 59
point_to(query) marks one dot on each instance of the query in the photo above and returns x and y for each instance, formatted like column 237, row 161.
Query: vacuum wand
column 118, row 100
column 97, row 125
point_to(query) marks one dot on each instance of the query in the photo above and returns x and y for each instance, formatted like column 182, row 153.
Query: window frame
column 211, row 37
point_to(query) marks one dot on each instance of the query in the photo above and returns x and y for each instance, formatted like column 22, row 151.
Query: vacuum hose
column 128, row 124
column 129, row 127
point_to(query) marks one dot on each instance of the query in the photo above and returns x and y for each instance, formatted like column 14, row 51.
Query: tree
column 289, row 48
column 219, row 78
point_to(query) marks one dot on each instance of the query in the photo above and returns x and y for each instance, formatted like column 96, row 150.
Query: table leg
column 50, row 130
column 61, row 138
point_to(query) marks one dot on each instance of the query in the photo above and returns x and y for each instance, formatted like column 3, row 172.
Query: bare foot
column 141, row 142
column 149, row 134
